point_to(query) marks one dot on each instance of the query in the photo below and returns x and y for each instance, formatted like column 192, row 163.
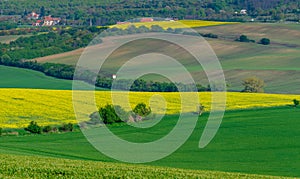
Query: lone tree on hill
column 253, row 85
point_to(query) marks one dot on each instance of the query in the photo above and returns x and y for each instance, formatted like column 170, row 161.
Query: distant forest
column 105, row 12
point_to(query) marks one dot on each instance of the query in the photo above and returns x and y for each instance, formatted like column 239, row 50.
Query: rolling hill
column 11, row 77
column 277, row 64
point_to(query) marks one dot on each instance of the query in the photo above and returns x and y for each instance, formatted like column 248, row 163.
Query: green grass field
column 11, row 77
column 261, row 141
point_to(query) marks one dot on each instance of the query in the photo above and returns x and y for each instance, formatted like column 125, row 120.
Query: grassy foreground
column 261, row 141
column 40, row 167
column 51, row 107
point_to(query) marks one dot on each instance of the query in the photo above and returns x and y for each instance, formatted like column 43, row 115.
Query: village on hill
column 43, row 20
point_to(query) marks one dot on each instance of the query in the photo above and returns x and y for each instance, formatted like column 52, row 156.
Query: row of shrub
column 263, row 41
column 34, row 128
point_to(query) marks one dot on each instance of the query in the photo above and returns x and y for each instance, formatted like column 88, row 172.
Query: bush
column 66, row 127
column 142, row 110
column 47, row 129
column 0, row 131
column 253, row 85
column 265, row 41
column 200, row 109
column 112, row 114
column 296, row 102
column 244, row 38
column 34, row 128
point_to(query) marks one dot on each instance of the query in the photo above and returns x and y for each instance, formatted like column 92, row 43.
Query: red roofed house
column 147, row 20
column 33, row 15
column 37, row 23
column 50, row 21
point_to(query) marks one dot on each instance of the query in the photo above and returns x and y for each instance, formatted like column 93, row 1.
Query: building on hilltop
column 146, row 20
column 33, row 15
column 50, row 21
column 243, row 12
column 37, row 23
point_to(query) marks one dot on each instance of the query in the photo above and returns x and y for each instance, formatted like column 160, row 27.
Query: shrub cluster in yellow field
column 49, row 107
column 173, row 24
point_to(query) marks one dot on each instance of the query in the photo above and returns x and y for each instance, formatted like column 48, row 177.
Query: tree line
column 97, row 12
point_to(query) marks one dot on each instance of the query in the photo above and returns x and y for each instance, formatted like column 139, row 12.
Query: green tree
column 67, row 127
column 47, row 129
column 243, row 38
column 253, row 85
column 34, row 128
column 296, row 102
column 265, row 41
column 42, row 11
column 142, row 110
column 112, row 114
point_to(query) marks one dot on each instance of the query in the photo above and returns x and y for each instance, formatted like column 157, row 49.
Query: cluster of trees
column 47, row 44
column 109, row 12
column 34, row 128
column 7, row 25
column 263, row 41
column 111, row 114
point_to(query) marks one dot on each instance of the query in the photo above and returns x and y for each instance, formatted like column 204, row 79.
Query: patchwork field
column 258, row 141
column 277, row 64
column 20, row 106
column 259, row 133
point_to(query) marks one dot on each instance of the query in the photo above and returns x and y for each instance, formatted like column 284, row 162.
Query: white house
column 243, row 12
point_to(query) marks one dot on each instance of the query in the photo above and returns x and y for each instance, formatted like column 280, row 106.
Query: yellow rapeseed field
column 50, row 107
column 174, row 24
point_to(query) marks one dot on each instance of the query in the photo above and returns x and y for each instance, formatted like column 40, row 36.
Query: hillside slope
column 11, row 77
column 14, row 166
column 277, row 64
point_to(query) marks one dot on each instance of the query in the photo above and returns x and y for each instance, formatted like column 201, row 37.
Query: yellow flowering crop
column 173, row 24
column 49, row 107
